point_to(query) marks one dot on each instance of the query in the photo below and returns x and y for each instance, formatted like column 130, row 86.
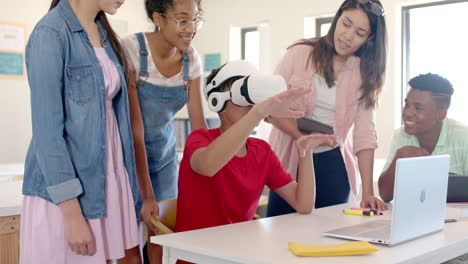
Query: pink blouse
column 355, row 127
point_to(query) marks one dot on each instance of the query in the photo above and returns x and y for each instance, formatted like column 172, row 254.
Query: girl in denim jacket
column 80, row 183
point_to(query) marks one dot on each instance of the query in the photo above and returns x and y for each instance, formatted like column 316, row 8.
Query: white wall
column 285, row 20
column 15, row 116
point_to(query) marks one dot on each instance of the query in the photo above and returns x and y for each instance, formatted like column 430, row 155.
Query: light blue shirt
column 67, row 154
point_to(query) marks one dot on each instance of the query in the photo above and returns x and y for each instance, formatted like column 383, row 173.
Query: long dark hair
column 373, row 53
column 161, row 7
column 113, row 37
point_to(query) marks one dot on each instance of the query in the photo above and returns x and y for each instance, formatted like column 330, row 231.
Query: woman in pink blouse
column 345, row 70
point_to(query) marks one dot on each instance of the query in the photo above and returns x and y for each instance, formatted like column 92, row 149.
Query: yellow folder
column 344, row 249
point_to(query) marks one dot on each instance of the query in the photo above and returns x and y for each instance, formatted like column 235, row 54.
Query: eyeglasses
column 183, row 24
column 374, row 7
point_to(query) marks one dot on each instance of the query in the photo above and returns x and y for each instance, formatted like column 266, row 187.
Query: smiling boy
column 426, row 130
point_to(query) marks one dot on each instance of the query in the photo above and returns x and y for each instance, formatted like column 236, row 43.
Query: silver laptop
column 418, row 208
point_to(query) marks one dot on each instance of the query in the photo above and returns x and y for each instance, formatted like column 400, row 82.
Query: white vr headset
column 250, row 89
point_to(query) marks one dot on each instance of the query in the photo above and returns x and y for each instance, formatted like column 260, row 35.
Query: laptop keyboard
column 382, row 233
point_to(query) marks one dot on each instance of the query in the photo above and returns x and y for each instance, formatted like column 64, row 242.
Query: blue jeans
column 331, row 184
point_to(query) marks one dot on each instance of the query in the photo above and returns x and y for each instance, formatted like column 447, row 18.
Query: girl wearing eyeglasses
column 167, row 75
column 345, row 70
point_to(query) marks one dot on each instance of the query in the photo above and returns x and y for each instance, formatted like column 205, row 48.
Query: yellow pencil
column 358, row 212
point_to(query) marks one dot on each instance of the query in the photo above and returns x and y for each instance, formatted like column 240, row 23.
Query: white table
column 10, row 210
column 9, row 170
column 266, row 241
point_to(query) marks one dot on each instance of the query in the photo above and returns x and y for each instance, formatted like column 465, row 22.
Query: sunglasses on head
column 374, row 7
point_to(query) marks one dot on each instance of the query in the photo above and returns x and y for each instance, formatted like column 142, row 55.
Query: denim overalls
column 158, row 106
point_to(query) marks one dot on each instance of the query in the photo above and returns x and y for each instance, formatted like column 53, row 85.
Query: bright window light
column 438, row 44
column 252, row 47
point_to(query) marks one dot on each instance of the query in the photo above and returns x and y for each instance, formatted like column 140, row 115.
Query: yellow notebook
column 345, row 249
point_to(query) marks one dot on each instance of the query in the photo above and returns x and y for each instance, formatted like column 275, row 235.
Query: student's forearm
column 70, row 208
column 287, row 126
column 194, row 106
column 366, row 167
column 196, row 117
column 387, row 183
column 209, row 160
column 305, row 193
column 138, row 132
column 143, row 178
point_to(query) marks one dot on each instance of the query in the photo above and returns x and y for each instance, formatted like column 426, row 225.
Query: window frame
column 318, row 24
column 244, row 31
column 406, row 41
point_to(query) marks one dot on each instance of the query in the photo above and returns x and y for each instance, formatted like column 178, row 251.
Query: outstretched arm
column 366, row 166
column 301, row 194
column 149, row 206
column 209, row 160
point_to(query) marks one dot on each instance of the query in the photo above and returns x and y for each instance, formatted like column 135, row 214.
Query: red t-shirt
column 232, row 194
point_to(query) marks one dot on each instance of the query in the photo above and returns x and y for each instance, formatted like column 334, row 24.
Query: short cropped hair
column 439, row 86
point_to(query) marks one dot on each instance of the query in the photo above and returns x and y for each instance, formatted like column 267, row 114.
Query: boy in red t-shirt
column 223, row 171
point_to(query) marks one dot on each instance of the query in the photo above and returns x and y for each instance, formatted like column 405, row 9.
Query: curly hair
column 439, row 86
column 161, row 6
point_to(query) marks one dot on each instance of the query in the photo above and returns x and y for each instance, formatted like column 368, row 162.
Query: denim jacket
column 67, row 154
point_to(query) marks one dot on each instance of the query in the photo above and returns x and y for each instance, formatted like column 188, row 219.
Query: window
column 434, row 40
column 317, row 26
column 322, row 25
column 250, row 51
column 250, row 45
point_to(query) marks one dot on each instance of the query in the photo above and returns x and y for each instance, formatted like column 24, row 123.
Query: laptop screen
column 457, row 190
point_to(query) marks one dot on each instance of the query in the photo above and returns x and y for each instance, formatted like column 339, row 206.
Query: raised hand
column 278, row 105
column 307, row 143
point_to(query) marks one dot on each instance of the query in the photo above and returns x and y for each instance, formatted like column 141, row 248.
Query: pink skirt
column 42, row 238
